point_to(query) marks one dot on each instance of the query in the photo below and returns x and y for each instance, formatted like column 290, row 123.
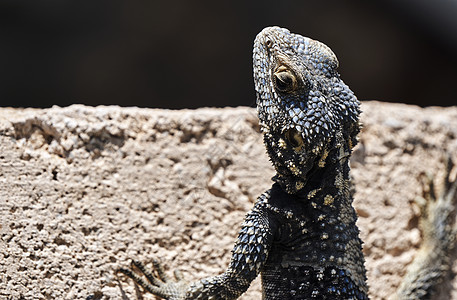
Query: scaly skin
column 301, row 235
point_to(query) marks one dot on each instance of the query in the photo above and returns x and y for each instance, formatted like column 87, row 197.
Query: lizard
column 301, row 235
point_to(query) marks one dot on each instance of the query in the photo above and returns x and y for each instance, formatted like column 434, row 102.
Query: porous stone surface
column 83, row 190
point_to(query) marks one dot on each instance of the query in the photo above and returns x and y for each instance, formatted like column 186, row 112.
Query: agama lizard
column 301, row 235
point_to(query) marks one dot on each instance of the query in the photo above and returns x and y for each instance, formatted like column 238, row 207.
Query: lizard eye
column 285, row 81
column 268, row 43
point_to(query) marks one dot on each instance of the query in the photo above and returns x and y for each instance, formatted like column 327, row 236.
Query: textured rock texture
column 83, row 190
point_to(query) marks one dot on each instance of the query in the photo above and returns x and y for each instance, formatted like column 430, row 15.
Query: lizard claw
column 158, row 282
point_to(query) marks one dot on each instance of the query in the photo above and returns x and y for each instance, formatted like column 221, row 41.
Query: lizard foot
column 438, row 208
column 158, row 282
column 438, row 227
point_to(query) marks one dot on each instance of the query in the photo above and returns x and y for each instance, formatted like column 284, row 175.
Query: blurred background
column 188, row 54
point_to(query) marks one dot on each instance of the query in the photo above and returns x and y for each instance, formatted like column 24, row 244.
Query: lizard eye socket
column 285, row 81
column 268, row 43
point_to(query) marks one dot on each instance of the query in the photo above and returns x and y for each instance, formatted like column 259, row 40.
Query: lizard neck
column 328, row 171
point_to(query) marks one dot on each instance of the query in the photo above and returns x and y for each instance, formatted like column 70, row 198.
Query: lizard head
column 308, row 116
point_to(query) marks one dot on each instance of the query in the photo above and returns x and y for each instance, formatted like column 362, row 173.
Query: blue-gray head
column 305, row 109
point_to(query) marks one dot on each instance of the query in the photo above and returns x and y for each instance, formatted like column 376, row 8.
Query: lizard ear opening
column 294, row 138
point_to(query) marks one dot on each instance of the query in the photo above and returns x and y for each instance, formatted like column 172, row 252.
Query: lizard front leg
column 248, row 257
